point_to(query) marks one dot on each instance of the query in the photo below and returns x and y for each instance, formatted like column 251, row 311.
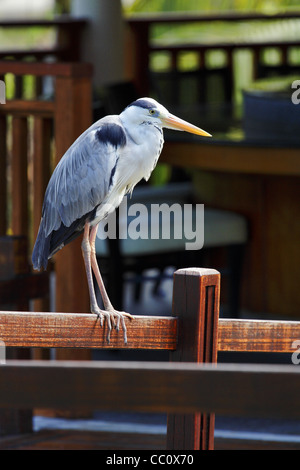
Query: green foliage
column 152, row 6
column 218, row 31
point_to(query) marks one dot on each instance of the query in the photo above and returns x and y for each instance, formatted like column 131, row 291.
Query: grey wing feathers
column 78, row 185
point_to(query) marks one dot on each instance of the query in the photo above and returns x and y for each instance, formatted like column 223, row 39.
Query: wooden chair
column 190, row 388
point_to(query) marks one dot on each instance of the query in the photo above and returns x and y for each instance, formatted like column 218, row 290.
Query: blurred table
column 259, row 179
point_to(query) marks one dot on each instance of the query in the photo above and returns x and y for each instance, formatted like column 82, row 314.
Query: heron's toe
column 102, row 314
column 119, row 317
column 113, row 319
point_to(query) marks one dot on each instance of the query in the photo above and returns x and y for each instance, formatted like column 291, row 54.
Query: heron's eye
column 151, row 111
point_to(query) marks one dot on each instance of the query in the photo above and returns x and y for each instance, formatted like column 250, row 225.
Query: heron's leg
column 106, row 301
column 86, row 252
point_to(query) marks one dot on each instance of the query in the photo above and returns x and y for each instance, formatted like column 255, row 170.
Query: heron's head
column 147, row 110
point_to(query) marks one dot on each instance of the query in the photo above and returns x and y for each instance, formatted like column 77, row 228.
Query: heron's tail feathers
column 46, row 246
column 41, row 249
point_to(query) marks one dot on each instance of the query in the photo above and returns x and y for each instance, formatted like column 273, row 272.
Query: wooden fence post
column 196, row 294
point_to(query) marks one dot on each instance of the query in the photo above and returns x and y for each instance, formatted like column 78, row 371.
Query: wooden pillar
column 73, row 110
column 196, row 295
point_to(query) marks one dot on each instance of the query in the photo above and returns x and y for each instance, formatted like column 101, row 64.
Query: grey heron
column 90, row 181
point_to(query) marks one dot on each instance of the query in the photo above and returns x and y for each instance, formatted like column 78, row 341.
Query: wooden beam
column 59, row 21
column 67, row 330
column 226, row 45
column 175, row 17
column 227, row 389
column 28, row 107
column 258, row 335
column 42, row 69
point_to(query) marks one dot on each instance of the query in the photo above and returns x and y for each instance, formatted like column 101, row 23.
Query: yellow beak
column 173, row 122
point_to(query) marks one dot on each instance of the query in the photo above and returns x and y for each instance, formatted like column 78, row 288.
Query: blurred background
column 228, row 66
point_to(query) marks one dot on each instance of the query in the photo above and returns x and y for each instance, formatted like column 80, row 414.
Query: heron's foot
column 113, row 319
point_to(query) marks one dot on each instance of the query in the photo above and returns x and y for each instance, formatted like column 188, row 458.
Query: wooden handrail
column 42, row 69
column 227, row 389
column 68, row 34
column 258, row 335
column 188, row 388
column 67, row 330
column 226, row 45
column 63, row 20
column 29, row 107
column 175, row 17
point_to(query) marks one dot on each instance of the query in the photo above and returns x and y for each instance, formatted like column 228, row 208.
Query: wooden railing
column 141, row 26
column 191, row 388
column 34, row 134
column 66, row 46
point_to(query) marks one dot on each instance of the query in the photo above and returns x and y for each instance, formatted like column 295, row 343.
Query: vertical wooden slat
column 3, row 180
column 19, row 176
column 202, row 76
column 38, row 86
column 41, row 165
column 229, row 76
column 256, row 53
column 42, row 133
column 196, row 303
column 18, row 92
column 139, row 41
column 284, row 56
column 175, row 82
